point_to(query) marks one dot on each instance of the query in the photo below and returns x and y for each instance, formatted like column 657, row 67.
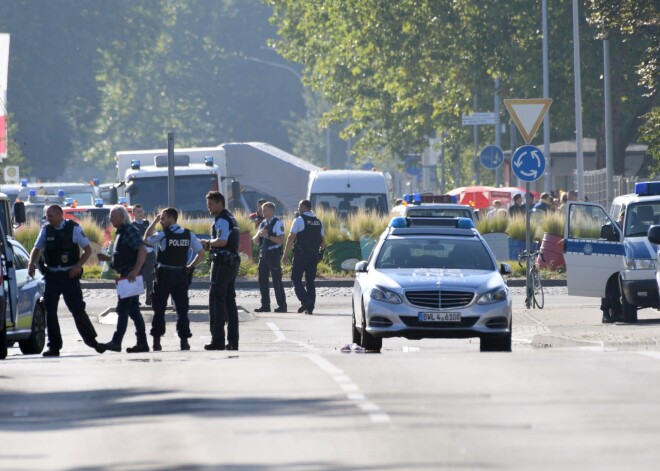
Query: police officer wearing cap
column 173, row 244
column 60, row 240
column 224, row 269
column 141, row 225
column 307, row 233
column 270, row 238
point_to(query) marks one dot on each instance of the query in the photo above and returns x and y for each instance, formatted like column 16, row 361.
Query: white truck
column 143, row 177
column 254, row 169
column 345, row 191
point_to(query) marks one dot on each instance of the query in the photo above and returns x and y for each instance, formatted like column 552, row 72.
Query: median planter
column 343, row 255
column 552, row 248
column 245, row 244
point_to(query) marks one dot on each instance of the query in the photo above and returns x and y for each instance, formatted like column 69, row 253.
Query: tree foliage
column 400, row 71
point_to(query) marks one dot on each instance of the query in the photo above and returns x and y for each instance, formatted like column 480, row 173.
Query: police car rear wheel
column 368, row 341
column 35, row 342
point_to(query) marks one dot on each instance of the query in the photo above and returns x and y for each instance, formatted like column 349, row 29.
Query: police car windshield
column 640, row 216
column 433, row 252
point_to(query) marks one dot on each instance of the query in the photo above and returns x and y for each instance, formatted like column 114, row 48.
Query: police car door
column 590, row 257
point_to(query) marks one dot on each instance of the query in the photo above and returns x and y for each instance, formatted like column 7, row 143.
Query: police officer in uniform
column 173, row 245
column 60, row 240
column 148, row 269
column 224, row 269
column 307, row 234
column 270, row 238
column 127, row 260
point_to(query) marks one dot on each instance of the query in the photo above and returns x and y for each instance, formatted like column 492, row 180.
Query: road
column 573, row 395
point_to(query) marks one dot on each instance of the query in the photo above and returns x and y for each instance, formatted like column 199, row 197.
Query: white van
column 613, row 259
column 346, row 191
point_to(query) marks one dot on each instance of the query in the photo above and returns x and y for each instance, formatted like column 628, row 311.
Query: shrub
column 551, row 223
column 93, row 231
column 491, row 225
column 517, row 229
column 27, row 235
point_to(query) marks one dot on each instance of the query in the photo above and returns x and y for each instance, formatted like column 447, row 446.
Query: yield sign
column 528, row 114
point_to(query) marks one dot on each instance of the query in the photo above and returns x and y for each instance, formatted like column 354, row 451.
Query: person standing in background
column 270, row 238
column 141, row 225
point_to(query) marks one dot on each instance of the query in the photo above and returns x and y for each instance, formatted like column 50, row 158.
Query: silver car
column 432, row 281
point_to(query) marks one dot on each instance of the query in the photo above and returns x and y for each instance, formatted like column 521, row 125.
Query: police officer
column 60, row 240
column 270, row 238
column 224, row 269
column 172, row 270
column 127, row 260
column 307, row 234
column 148, row 269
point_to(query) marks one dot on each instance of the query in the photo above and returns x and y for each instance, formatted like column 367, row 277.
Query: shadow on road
column 25, row 411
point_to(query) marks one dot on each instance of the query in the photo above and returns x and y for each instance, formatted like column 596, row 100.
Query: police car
column 431, row 278
column 419, row 205
column 613, row 259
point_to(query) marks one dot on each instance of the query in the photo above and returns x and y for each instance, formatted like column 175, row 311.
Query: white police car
column 614, row 260
column 431, row 278
column 420, row 205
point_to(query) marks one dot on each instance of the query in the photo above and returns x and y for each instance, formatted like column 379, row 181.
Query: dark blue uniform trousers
column 174, row 282
column 305, row 263
column 222, row 303
column 270, row 263
column 59, row 283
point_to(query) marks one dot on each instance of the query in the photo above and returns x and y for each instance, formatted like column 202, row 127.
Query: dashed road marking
column 346, row 384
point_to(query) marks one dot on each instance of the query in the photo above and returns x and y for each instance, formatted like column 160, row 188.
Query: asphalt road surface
column 574, row 394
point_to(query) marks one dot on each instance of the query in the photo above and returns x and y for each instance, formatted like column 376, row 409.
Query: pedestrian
column 258, row 216
column 172, row 273
column 543, row 206
column 61, row 240
column 306, row 239
column 149, row 263
column 517, row 208
column 270, row 238
column 127, row 259
column 495, row 211
column 226, row 261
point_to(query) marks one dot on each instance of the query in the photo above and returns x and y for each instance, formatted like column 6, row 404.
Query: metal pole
column 546, row 94
column 578, row 103
column 475, row 160
column 608, row 124
column 512, row 142
column 170, row 170
column 527, row 238
column 498, row 171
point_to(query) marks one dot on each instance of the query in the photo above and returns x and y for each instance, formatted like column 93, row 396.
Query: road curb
column 560, row 341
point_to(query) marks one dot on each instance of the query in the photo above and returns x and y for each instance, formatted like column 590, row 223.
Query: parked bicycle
column 534, row 297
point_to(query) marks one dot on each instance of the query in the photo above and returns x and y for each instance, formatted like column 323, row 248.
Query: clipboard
column 126, row 289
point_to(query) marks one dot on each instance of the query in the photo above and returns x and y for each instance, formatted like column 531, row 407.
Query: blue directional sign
column 491, row 157
column 528, row 163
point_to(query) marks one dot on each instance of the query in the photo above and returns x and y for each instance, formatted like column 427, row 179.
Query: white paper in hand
column 126, row 289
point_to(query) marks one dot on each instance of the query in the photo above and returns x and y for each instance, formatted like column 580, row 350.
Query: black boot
column 138, row 348
column 157, row 346
column 185, row 345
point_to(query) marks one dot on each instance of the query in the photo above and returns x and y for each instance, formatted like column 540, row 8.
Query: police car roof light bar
column 647, row 188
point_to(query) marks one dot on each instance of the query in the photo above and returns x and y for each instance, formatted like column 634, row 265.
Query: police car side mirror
column 505, row 269
column 19, row 212
column 654, row 234
column 609, row 233
column 361, row 267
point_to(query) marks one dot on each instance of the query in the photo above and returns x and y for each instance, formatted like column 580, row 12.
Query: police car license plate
column 440, row 316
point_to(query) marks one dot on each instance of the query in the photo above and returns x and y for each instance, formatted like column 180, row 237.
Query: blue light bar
column 407, row 198
column 60, row 193
column 417, row 198
column 208, row 160
column 123, row 200
column 399, row 222
column 135, row 164
column 24, row 182
column 465, row 223
column 33, row 193
column 96, row 181
column 69, row 201
column 647, row 188
column 98, row 202
column 454, row 199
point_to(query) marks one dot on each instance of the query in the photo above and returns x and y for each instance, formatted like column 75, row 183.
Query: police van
column 610, row 257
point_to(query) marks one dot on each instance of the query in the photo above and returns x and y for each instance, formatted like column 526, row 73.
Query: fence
column 595, row 186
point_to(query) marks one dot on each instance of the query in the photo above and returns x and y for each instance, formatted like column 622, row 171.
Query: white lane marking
column 278, row 333
column 376, row 415
column 521, row 340
column 655, row 355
